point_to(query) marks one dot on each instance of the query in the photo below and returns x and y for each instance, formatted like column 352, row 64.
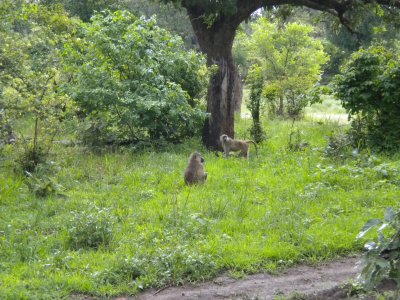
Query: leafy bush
column 90, row 228
column 271, row 92
column 382, row 259
column 369, row 89
column 31, row 37
column 134, row 81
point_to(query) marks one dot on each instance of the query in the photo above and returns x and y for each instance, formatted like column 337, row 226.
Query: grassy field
column 329, row 109
column 329, row 105
column 123, row 221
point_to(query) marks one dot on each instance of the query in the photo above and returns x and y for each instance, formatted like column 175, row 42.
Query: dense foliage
column 85, row 9
column 32, row 37
column 370, row 91
column 169, row 16
column 291, row 60
column 134, row 81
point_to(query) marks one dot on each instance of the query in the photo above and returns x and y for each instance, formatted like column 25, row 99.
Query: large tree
column 215, row 23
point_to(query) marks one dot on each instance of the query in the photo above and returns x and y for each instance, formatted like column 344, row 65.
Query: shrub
column 369, row 89
column 30, row 156
column 134, row 81
column 180, row 261
column 174, row 265
column 31, row 39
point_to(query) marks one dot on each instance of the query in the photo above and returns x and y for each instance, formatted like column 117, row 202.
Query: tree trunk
column 220, row 103
column 216, row 41
column 280, row 111
column 215, row 38
column 238, row 94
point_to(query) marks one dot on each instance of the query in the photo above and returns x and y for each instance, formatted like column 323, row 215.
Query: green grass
column 329, row 109
column 329, row 105
column 125, row 221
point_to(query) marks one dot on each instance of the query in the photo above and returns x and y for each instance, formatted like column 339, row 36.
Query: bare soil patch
column 313, row 282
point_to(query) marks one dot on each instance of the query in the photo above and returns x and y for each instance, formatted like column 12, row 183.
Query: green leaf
column 368, row 226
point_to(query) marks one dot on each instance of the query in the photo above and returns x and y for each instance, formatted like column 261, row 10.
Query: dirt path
column 306, row 280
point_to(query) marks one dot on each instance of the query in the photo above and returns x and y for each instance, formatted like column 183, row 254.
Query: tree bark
column 238, row 94
column 220, row 103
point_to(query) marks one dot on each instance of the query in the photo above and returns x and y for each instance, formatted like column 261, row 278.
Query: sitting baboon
column 229, row 144
column 194, row 172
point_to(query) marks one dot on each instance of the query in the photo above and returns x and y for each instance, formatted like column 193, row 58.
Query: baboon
column 194, row 172
column 229, row 144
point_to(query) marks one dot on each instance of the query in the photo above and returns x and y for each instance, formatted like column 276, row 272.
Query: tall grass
column 124, row 221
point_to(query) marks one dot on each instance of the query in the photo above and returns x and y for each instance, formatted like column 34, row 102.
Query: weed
column 90, row 228
column 339, row 146
column 181, row 261
column 124, row 270
column 42, row 186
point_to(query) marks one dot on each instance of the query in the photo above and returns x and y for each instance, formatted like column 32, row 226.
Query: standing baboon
column 194, row 172
column 229, row 144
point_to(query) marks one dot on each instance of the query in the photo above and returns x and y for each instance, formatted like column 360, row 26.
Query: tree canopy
column 291, row 60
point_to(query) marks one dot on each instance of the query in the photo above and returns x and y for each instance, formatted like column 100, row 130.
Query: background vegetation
column 99, row 112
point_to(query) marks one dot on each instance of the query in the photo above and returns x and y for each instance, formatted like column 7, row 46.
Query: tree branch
column 246, row 7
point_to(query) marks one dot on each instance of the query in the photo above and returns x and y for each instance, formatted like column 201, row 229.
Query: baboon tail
column 255, row 145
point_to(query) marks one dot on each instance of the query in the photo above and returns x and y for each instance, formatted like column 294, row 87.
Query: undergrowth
column 126, row 222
